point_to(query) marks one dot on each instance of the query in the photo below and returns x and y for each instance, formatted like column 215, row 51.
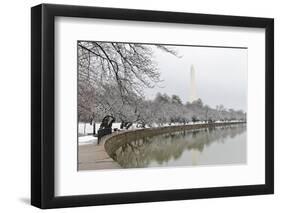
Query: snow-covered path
column 89, row 139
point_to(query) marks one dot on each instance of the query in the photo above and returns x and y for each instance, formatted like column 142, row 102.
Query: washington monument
column 193, row 95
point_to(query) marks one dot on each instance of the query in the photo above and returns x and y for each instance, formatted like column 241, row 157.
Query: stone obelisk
column 193, row 95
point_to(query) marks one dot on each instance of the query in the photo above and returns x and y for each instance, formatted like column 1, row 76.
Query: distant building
column 193, row 94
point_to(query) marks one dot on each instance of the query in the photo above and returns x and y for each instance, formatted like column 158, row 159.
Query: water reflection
column 219, row 145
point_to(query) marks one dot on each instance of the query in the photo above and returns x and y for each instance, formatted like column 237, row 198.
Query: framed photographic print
column 140, row 106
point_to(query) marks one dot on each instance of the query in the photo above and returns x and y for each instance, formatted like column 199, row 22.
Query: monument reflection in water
column 209, row 146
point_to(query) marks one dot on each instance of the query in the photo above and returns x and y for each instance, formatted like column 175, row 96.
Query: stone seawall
column 112, row 142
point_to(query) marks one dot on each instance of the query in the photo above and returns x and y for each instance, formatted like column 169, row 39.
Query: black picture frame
column 43, row 102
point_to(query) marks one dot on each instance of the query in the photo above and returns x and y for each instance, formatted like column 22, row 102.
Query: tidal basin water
column 208, row 146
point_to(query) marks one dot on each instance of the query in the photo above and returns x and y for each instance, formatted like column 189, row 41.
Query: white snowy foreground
column 89, row 139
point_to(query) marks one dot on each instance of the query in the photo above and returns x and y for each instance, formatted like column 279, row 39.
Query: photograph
column 142, row 105
column 139, row 105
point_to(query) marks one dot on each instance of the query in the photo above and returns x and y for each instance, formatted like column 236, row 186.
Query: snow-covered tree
column 126, row 67
column 111, row 80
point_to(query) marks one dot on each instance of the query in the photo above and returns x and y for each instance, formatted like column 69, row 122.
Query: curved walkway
column 96, row 157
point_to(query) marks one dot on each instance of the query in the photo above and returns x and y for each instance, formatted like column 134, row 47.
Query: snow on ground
column 89, row 139
column 86, row 130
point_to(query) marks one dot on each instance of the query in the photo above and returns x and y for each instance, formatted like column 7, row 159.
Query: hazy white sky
column 220, row 73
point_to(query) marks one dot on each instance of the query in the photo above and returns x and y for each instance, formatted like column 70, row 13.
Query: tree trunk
column 94, row 128
column 84, row 128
